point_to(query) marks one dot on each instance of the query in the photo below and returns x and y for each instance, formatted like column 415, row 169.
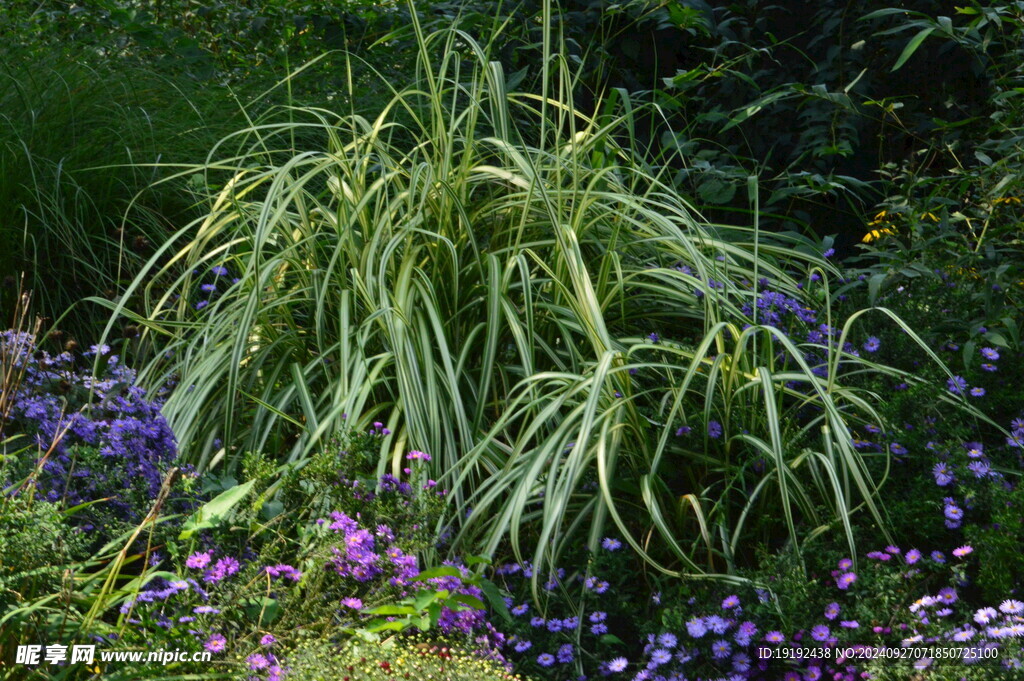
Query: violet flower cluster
column 61, row 401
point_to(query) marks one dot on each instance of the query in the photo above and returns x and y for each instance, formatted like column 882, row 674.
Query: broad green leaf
column 215, row 511
column 435, row 572
column 393, row 610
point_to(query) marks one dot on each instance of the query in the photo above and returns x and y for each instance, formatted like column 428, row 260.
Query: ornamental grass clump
column 490, row 274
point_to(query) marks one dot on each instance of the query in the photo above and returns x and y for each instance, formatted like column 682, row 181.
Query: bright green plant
column 486, row 294
column 398, row 658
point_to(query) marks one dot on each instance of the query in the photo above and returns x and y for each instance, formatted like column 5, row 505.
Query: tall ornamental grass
column 480, row 270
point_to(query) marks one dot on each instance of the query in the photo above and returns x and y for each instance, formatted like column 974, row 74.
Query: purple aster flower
column 977, row 392
column 897, row 449
column 695, row 627
column 985, row 615
column 520, row 609
column 198, row 560
column 545, row 659
column 1011, row 607
column 730, row 602
column 872, row 344
column 206, row 610
column 268, row 640
column 956, row 385
column 219, row 270
column 352, row 602
column 989, row 367
column 611, row 544
column 618, row 665
column 774, row 637
column 565, row 653
column 831, row 611
column 990, row 353
column 975, row 450
column 820, row 632
column 257, row 661
column 740, row 663
column 523, row 646
column 683, row 430
column 943, row 473
column 721, row 649
column 654, row 337
column 953, row 512
column 659, row 656
column 717, row 624
column 216, row 643
column 979, row 468
column 912, row 556
column 844, row 580
column 714, row 430
column 964, row 635
column 597, row 616
column 829, row 252
column 849, row 624
column 844, row 564
column 223, row 568
column 667, row 640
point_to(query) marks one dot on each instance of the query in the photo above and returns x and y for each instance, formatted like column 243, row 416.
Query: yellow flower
column 876, row 234
column 929, row 215
column 1005, row 199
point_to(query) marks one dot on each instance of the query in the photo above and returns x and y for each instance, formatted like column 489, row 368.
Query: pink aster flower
column 198, row 560
column 963, row 551
column 844, row 580
column 216, row 643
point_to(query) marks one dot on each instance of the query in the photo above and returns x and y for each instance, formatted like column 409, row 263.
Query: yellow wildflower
column 877, row 234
